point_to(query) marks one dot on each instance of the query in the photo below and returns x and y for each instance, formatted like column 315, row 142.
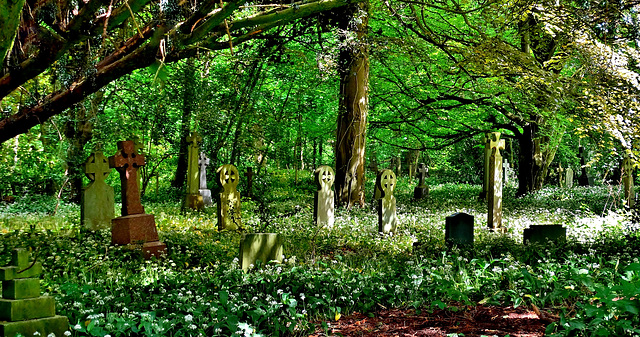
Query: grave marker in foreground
column 193, row 199
column 22, row 309
column 97, row 209
column 387, row 219
column 323, row 208
column 134, row 226
column 264, row 247
column 229, row 216
column 458, row 229
column 422, row 189
column 494, row 215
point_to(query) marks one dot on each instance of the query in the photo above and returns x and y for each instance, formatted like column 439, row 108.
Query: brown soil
column 470, row 321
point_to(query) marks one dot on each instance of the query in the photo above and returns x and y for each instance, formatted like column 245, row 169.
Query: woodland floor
column 467, row 321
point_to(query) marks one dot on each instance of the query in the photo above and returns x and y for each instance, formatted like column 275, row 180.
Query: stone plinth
column 458, row 229
column 264, row 247
column 22, row 309
column 134, row 229
column 207, row 200
column 544, row 233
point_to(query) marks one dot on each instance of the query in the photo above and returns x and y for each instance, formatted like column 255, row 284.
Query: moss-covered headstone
column 22, row 309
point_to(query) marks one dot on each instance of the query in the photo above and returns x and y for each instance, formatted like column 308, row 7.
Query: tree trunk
column 353, row 106
column 188, row 106
column 536, row 154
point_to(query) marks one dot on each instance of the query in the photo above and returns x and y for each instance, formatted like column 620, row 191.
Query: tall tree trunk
column 79, row 131
column 188, row 106
column 353, row 106
column 536, row 154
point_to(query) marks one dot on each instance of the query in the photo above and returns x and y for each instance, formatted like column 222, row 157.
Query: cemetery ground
column 348, row 280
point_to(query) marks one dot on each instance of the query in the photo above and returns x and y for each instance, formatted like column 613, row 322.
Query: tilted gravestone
column 561, row 176
column 229, row 216
column 458, row 229
column 627, row 181
column 193, row 199
column 22, row 309
column 204, row 191
column 323, row 210
column 263, row 247
column 387, row 218
column 584, row 179
column 569, row 180
column 543, row 233
column 134, row 226
column 97, row 208
column 494, row 215
column 422, row 189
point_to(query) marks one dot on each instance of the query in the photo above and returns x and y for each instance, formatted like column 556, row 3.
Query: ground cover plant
column 591, row 282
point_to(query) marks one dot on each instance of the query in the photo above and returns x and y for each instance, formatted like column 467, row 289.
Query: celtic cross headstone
column 97, row 207
column 387, row 218
column 229, row 216
column 324, row 196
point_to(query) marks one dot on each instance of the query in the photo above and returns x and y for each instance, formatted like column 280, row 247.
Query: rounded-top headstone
column 324, row 177
column 387, row 182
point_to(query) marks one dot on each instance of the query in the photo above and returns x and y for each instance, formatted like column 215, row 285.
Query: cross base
column 206, row 196
column 194, row 201
column 420, row 192
column 133, row 229
column 57, row 325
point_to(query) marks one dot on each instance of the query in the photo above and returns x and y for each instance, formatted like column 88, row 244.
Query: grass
column 592, row 281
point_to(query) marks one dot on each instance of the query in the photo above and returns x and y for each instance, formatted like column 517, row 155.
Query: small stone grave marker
column 229, row 216
column 97, row 208
column 22, row 309
column 569, row 180
column 458, row 229
column 494, row 215
column 205, row 192
column 193, row 198
column 543, row 233
column 323, row 210
column 134, row 226
column 387, row 218
column 264, row 247
column 627, row 181
column 422, row 189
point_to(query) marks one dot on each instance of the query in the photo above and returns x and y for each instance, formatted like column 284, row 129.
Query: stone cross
column 627, row 181
column 494, row 216
column 193, row 179
column 387, row 219
column 229, row 216
column 96, row 209
column 127, row 161
column 323, row 211
column 569, row 180
column 204, row 162
column 422, row 189
column 422, row 173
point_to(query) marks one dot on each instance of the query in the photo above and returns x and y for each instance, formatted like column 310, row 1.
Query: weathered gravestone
column 458, row 229
column 229, row 216
column 387, row 219
column 422, row 189
column 561, row 176
column 584, row 179
column 22, row 309
column 263, row 247
column 97, row 209
column 569, row 180
column 134, row 226
column 627, row 181
column 324, row 196
column 193, row 199
column 204, row 191
column 249, row 181
column 543, row 233
column 494, row 215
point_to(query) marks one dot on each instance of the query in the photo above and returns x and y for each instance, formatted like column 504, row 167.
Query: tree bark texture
column 353, row 106
column 188, row 106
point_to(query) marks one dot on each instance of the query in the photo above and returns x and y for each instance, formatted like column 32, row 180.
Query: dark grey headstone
column 544, row 233
column 458, row 229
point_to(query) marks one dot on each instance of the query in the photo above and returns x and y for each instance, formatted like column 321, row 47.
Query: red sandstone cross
column 127, row 162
